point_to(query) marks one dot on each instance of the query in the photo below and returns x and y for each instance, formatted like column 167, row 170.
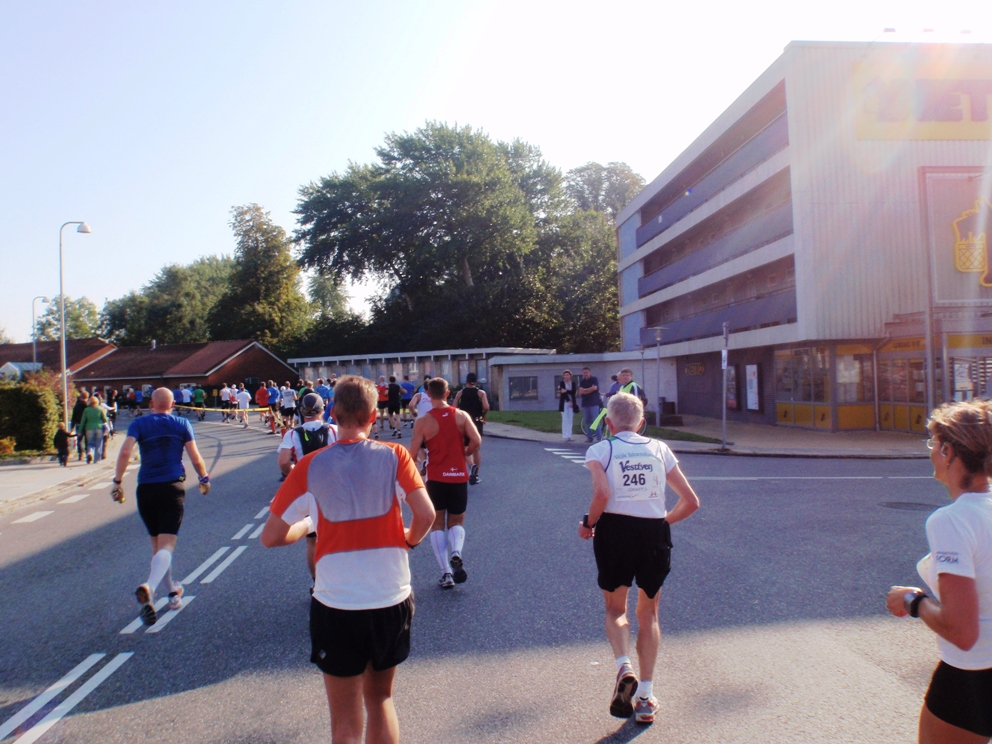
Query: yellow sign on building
column 971, row 241
column 936, row 99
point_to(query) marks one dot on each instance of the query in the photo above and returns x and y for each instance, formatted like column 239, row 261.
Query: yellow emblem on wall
column 971, row 241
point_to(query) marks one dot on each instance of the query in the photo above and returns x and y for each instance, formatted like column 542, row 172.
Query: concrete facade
column 840, row 203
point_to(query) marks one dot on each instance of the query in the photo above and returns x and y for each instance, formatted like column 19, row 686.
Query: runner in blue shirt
column 161, row 490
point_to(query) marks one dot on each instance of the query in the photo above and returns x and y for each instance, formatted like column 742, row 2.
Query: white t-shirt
column 636, row 468
column 225, row 394
column 187, row 395
column 244, row 399
column 424, row 404
column 960, row 540
column 288, row 398
column 292, row 439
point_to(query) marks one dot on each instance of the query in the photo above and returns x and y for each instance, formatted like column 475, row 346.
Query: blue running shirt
column 162, row 439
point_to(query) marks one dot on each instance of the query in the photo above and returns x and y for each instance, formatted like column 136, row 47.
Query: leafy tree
column 82, row 320
column 124, row 321
column 442, row 208
column 327, row 296
column 578, row 268
column 601, row 188
column 172, row 308
column 262, row 300
column 4, row 338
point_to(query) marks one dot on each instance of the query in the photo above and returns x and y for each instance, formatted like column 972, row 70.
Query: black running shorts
column 344, row 642
column 161, row 506
column 381, row 405
column 632, row 548
column 391, row 409
column 449, row 497
column 962, row 698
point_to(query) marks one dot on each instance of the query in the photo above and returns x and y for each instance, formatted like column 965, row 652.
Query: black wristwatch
column 912, row 602
column 585, row 522
column 116, row 481
column 409, row 545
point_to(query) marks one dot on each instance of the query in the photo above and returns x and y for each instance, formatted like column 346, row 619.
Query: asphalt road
column 773, row 618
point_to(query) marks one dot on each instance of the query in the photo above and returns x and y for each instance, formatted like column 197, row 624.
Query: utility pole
column 723, row 395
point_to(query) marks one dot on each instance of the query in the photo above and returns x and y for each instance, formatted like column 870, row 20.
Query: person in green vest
column 624, row 384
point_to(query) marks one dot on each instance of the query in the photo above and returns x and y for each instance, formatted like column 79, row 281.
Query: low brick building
column 208, row 364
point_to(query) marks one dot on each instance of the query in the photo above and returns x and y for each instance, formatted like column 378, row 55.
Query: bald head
column 162, row 400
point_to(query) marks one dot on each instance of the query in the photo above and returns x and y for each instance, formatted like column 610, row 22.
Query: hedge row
column 30, row 414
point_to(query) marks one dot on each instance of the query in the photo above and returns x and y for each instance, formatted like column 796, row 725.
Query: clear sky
column 151, row 120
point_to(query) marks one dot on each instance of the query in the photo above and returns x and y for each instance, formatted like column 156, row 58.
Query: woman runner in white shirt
column 957, row 605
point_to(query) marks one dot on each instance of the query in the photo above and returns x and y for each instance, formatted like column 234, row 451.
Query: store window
column 855, row 383
column 523, row 388
column 802, row 375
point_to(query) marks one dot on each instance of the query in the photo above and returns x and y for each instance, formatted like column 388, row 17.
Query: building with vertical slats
column 837, row 217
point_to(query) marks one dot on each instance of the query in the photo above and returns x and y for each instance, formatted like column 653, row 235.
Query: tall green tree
column 4, row 338
column 82, row 319
column 327, row 296
column 172, row 308
column 603, row 188
column 441, row 208
column 263, row 300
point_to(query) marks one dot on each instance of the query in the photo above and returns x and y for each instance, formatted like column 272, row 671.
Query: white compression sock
column 439, row 542
column 621, row 660
column 456, row 538
column 161, row 563
column 644, row 688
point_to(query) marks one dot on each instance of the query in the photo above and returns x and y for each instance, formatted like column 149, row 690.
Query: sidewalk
column 763, row 440
column 41, row 476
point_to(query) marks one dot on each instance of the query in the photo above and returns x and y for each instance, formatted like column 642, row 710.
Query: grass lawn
column 550, row 422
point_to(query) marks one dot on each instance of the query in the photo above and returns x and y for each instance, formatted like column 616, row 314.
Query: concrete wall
column 602, row 366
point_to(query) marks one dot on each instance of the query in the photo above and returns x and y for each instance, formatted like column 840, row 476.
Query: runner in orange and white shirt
column 450, row 437
column 362, row 604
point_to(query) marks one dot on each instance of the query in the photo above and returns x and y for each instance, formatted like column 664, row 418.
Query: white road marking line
column 98, row 486
column 909, row 477
column 167, row 617
column 257, row 532
column 74, row 499
column 38, row 730
column 556, row 450
column 204, row 566
column 42, row 700
column 227, row 562
column 135, row 624
column 33, row 517
column 262, row 513
column 241, row 533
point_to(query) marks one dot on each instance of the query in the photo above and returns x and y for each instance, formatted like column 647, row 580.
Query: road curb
column 730, row 452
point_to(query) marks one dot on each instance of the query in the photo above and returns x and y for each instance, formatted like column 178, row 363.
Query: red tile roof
column 79, row 351
column 166, row 360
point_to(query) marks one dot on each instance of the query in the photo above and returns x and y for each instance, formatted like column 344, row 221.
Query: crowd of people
column 343, row 493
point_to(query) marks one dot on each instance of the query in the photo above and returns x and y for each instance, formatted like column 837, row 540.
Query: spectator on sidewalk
column 91, row 424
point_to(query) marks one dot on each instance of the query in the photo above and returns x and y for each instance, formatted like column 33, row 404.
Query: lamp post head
column 83, row 228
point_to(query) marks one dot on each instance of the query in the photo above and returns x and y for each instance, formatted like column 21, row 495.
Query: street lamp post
column 82, row 227
column 657, row 345
column 34, row 329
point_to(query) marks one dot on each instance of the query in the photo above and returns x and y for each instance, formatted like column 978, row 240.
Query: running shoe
column 474, row 477
column 146, row 597
column 645, row 709
column 446, row 582
column 623, row 692
column 176, row 597
column 460, row 575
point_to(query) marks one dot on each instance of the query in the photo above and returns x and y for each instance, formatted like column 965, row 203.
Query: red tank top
column 446, row 450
